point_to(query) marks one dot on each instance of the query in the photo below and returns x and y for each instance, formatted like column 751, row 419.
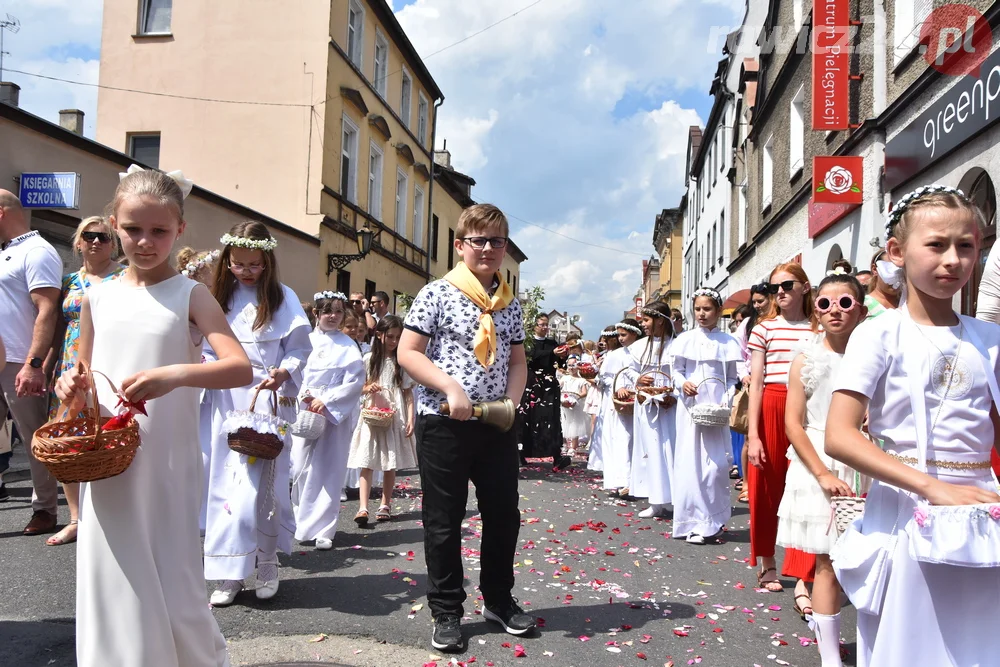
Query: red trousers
column 767, row 485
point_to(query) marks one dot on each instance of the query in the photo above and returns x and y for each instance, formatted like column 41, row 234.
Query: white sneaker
column 324, row 544
column 695, row 539
column 343, row 496
column 267, row 590
column 647, row 513
column 225, row 594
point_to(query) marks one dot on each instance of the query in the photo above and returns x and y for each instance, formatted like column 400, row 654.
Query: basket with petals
column 587, row 370
column 89, row 447
column 254, row 433
column 626, row 406
column 377, row 416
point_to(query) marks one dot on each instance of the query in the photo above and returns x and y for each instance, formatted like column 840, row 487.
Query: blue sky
column 572, row 115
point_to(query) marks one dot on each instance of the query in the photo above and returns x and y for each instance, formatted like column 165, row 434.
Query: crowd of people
column 840, row 416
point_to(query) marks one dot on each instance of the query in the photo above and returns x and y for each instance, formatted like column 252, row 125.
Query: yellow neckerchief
column 484, row 345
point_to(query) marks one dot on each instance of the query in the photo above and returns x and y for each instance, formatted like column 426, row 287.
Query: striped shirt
column 779, row 340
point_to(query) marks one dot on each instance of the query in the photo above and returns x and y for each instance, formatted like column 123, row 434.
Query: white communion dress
column 653, row 425
column 575, row 421
column 140, row 597
column 616, row 427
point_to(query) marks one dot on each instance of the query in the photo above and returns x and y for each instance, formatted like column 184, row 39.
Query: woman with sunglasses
column 813, row 476
column 788, row 324
column 881, row 296
column 94, row 242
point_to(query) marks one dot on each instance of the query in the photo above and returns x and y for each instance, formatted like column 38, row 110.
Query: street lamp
column 365, row 236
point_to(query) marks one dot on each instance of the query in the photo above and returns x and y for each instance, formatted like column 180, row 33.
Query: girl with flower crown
column 922, row 566
column 597, row 395
column 616, row 426
column 249, row 514
column 331, row 386
column 705, row 363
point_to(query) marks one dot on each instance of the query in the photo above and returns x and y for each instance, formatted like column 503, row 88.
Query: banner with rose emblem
column 838, row 179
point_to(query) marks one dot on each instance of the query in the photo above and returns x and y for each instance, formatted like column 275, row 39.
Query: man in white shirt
column 30, row 282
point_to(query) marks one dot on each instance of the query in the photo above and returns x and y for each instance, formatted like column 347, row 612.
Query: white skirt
column 804, row 513
column 575, row 422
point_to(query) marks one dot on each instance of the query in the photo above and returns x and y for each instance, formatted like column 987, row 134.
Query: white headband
column 629, row 327
column 177, row 176
column 196, row 266
column 705, row 291
column 327, row 294
column 267, row 245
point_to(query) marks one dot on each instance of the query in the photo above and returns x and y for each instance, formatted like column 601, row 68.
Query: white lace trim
column 817, row 364
column 237, row 419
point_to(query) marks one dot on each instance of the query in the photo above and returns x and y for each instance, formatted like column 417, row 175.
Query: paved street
column 612, row 590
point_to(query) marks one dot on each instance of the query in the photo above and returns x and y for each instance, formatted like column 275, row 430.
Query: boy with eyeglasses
column 463, row 344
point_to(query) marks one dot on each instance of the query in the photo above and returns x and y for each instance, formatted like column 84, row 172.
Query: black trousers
column 451, row 453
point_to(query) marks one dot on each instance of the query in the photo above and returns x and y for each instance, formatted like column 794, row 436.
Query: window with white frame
column 722, row 236
column 375, row 161
column 711, row 249
column 909, row 17
column 381, row 70
column 743, row 232
column 349, row 161
column 767, row 172
column 405, row 94
column 796, row 132
column 401, row 183
column 356, row 32
column 796, row 14
column 154, row 17
column 418, row 216
column 422, row 107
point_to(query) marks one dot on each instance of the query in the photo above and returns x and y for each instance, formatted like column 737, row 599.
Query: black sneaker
column 561, row 463
column 511, row 617
column 4, row 493
column 447, row 635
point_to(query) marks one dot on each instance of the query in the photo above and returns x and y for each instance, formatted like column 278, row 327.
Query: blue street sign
column 60, row 189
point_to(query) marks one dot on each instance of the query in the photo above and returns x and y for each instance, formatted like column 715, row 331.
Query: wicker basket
column 78, row 450
column 845, row 510
column 623, row 407
column 248, row 441
column 309, row 425
column 374, row 417
column 587, row 371
column 644, row 393
column 710, row 414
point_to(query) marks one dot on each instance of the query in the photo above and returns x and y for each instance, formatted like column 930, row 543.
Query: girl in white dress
column 927, row 379
column 249, row 514
column 705, row 364
column 384, row 449
column 331, row 386
column 594, row 406
column 572, row 395
column 654, row 422
column 813, row 477
column 140, row 595
column 616, row 426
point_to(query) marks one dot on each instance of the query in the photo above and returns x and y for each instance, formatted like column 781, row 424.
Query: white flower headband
column 177, row 175
column 654, row 313
column 196, row 266
column 267, row 245
column 608, row 333
column 706, row 291
column 904, row 202
column 839, row 271
column 327, row 294
column 629, row 327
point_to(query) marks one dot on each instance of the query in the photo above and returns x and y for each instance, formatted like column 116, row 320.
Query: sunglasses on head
column 784, row 285
column 845, row 302
column 90, row 237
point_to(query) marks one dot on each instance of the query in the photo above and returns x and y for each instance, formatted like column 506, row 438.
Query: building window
column 451, row 249
column 369, row 290
column 349, row 162
column 908, row 20
column 381, row 75
column 422, row 107
column 405, row 94
column 145, row 148
column 508, row 277
column 767, row 172
column 797, row 15
column 375, row 182
column 356, row 32
column 796, row 133
column 401, row 202
column 344, row 281
column 418, row 216
column 722, row 236
column 711, row 247
column 743, row 231
column 154, row 17
column 434, row 237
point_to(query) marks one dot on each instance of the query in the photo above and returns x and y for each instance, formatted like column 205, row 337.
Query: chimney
column 72, row 120
column 443, row 157
column 9, row 93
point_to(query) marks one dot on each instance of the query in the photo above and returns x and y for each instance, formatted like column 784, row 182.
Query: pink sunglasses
column 845, row 302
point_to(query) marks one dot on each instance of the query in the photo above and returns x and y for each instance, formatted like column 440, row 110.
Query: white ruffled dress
column 804, row 513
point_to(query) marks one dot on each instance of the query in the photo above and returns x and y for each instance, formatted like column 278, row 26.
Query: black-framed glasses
column 90, row 237
column 479, row 242
column 784, row 285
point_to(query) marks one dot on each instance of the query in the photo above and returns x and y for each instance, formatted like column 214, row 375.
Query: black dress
column 541, row 429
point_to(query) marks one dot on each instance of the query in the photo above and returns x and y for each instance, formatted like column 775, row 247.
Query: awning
column 737, row 299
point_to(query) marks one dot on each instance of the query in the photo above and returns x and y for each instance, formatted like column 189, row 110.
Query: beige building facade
column 668, row 239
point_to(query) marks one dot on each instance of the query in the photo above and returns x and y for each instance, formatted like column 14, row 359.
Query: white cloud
column 470, row 134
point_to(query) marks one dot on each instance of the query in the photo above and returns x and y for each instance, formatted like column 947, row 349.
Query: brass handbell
column 498, row 414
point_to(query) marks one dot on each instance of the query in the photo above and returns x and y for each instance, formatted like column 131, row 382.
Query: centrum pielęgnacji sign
column 831, row 65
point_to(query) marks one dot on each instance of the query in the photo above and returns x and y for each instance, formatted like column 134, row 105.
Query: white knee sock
column 827, row 629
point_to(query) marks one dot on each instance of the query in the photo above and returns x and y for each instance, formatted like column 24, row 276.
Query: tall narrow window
column 767, row 172
column 722, row 236
column 356, row 32
column 145, row 148
column 375, row 182
column 381, row 63
column 796, row 132
column 434, row 237
column 349, row 161
column 154, row 17
column 405, row 93
column 422, row 107
column 418, row 216
column 451, row 249
column 909, row 18
column 369, row 289
column 344, row 281
column 401, row 182
column 796, row 15
column 744, row 232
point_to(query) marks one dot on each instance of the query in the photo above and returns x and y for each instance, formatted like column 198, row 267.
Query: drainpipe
column 879, row 102
column 430, row 195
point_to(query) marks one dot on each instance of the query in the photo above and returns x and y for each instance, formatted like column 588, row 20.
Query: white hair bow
column 186, row 185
